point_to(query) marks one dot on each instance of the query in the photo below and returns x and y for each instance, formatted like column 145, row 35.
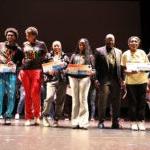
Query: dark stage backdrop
column 68, row 21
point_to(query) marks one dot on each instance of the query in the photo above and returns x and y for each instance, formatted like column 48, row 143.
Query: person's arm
column 43, row 52
column 97, row 65
column 72, row 59
column 66, row 60
column 92, row 64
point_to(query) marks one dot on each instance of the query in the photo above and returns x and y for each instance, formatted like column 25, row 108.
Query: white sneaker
column 37, row 121
column 1, row 117
column 55, row 123
column 49, row 118
column 27, row 123
column 17, row 116
column 141, row 126
column 46, row 122
column 134, row 126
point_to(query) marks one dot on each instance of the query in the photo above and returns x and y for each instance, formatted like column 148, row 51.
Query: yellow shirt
column 139, row 56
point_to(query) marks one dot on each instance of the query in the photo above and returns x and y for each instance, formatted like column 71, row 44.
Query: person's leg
column 132, row 104
column 21, row 100
column 11, row 92
column 26, row 82
column 84, row 86
column 104, row 92
column 60, row 99
column 50, row 93
column 141, row 102
column 35, row 76
column 52, row 110
column 74, row 84
column 92, row 96
column 2, row 91
column 141, row 106
column 115, row 100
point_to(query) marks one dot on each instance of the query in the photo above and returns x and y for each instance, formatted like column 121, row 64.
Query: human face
column 30, row 37
column 133, row 44
column 11, row 37
column 110, row 42
column 82, row 46
column 57, row 49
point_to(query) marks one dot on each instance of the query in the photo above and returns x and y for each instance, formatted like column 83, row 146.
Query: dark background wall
column 68, row 21
column 145, row 25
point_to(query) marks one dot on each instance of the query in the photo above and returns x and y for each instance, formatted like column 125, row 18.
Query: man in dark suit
column 108, row 75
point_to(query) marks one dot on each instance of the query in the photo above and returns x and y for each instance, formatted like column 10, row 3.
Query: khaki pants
column 80, row 88
column 52, row 89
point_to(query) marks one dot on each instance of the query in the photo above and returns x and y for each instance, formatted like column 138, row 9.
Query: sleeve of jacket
column 97, row 63
column 72, row 59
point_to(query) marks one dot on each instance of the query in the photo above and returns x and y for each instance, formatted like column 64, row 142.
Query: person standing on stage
column 30, row 75
column 136, row 83
column 80, row 84
column 55, row 84
column 10, row 56
column 109, row 79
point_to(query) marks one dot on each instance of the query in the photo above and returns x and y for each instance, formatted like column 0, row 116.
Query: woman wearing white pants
column 80, row 84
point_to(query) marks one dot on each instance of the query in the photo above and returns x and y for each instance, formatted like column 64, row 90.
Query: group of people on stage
column 108, row 73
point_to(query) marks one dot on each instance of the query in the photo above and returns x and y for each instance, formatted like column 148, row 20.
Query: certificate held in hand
column 4, row 68
column 137, row 67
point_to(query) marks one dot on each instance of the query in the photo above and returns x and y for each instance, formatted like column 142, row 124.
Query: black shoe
column 116, row 126
column 83, row 128
column 76, row 127
column 7, row 121
column 101, row 125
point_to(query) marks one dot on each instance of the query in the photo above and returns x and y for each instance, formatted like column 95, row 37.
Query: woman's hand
column 53, row 72
column 10, row 63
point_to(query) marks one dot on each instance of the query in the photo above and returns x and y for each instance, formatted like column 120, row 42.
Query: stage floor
column 19, row 137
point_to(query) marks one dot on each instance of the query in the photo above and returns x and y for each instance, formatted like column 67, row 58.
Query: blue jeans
column 8, row 86
column 21, row 100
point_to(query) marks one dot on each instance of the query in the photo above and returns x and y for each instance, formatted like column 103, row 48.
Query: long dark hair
column 87, row 50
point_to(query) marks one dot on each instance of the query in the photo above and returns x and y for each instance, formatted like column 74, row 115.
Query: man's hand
column 123, row 89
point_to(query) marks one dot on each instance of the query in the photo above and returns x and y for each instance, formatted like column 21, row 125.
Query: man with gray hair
column 108, row 75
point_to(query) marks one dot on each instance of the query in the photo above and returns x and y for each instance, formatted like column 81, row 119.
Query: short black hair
column 13, row 30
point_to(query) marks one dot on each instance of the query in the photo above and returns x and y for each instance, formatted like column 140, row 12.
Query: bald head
column 109, row 36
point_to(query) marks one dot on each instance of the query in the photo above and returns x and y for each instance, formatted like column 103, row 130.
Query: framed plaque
column 53, row 66
column 78, row 69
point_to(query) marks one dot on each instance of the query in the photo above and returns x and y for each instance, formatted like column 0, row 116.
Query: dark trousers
column 21, row 100
column 136, row 99
column 92, row 100
column 109, row 92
